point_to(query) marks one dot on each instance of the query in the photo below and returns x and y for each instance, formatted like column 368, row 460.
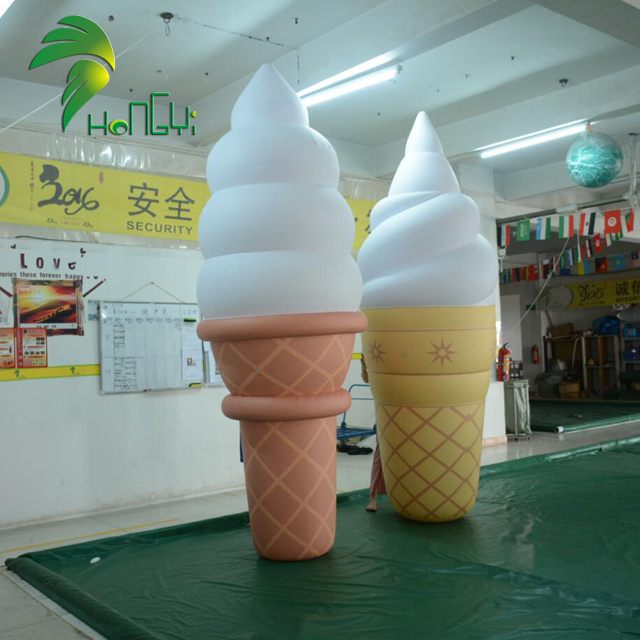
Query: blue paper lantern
column 594, row 160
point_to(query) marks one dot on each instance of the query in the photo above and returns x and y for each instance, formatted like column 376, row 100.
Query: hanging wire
column 151, row 283
column 546, row 282
column 265, row 40
column 167, row 16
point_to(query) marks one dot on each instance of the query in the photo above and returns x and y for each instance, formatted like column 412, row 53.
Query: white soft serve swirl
column 425, row 248
column 276, row 234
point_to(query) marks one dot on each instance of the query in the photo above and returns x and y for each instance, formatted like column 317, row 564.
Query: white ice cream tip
column 268, row 98
column 423, row 137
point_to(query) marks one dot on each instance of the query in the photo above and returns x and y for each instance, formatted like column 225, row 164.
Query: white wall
column 511, row 332
column 531, row 330
column 69, row 450
column 477, row 183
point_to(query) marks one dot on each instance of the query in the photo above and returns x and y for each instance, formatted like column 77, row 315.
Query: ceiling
column 484, row 70
column 204, row 52
column 516, row 58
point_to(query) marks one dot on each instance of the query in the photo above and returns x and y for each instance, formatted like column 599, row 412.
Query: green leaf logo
column 86, row 77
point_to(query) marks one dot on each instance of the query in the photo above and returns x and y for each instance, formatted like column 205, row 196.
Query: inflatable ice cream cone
column 429, row 373
column 285, row 374
column 429, row 279
column 280, row 294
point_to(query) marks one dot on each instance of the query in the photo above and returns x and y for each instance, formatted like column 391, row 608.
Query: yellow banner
column 604, row 293
column 361, row 210
column 51, row 193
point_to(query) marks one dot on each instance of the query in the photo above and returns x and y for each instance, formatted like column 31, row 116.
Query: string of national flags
column 565, row 264
column 593, row 237
column 580, row 224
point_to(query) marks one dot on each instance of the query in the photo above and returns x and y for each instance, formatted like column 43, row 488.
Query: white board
column 149, row 347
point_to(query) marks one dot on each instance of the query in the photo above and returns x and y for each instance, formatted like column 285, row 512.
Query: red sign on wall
column 32, row 348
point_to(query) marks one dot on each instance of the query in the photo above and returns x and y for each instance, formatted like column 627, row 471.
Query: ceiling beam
column 616, row 18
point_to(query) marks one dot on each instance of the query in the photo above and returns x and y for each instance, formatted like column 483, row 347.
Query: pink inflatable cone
column 285, row 375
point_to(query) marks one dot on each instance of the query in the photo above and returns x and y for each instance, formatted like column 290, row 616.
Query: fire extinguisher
column 535, row 354
column 504, row 363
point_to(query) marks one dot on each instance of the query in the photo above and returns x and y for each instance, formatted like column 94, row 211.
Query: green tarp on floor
column 558, row 416
column 551, row 550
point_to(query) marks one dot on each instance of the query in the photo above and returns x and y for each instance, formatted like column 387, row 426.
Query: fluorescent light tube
column 4, row 5
column 344, row 88
column 378, row 61
column 532, row 139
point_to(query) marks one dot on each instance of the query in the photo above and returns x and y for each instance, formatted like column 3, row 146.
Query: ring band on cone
column 287, row 409
column 284, row 326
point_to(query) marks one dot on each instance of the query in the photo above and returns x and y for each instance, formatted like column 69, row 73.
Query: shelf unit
column 605, row 373
column 560, row 348
column 607, row 353
column 627, row 343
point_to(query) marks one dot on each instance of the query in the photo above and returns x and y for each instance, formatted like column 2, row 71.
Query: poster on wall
column 592, row 294
column 32, row 348
column 55, row 305
column 7, row 349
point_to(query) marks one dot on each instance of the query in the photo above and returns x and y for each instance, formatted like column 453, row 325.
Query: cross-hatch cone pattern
column 286, row 391
column 432, row 459
column 429, row 392
column 284, row 366
column 290, row 469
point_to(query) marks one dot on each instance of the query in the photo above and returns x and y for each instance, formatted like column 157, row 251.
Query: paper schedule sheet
column 149, row 346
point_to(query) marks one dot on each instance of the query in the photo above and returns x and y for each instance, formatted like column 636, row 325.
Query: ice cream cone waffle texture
column 285, row 374
column 429, row 372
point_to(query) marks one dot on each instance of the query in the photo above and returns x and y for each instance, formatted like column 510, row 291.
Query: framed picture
column 55, row 305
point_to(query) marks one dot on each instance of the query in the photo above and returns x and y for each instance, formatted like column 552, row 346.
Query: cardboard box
column 562, row 330
column 569, row 390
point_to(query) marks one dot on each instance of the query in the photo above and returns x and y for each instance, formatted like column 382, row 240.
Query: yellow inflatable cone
column 429, row 280
column 429, row 372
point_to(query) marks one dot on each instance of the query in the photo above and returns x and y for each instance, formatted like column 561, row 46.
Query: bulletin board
column 149, row 347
